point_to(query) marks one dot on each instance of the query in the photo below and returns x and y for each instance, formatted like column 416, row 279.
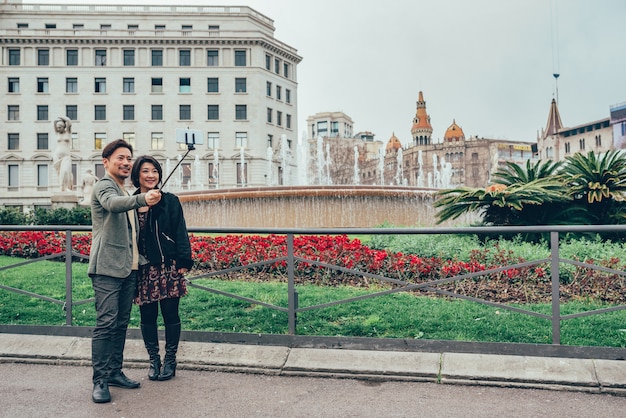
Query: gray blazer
column 111, row 243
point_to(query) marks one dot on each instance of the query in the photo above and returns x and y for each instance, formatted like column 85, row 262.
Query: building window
column 42, row 85
column 213, row 85
column 213, row 173
column 157, row 112
column 43, row 57
column 157, row 85
column 71, row 85
column 14, row 176
column 276, row 65
column 129, row 85
column 241, row 112
column 184, row 112
column 240, row 58
column 268, row 62
column 598, row 140
column 42, row 141
column 42, row 175
column 13, row 112
column 130, row 138
column 241, row 139
column 101, row 57
column 13, row 141
column 100, row 112
column 50, row 25
column 242, row 173
column 99, row 139
column 213, row 139
column 287, row 96
column 75, row 143
column 269, row 115
column 288, row 121
column 270, row 140
column 184, row 57
column 212, row 58
column 240, row 85
column 187, row 29
column 71, row 57
column 581, row 143
column 279, row 93
column 71, row 111
column 567, row 148
column 156, row 141
column 129, row 112
column 286, row 70
column 157, row 57
column 100, row 85
column 213, row 112
column 42, row 112
column 184, row 85
column 159, row 28
column 78, row 26
column 14, row 57
column 14, row 85
column 279, row 118
column 129, row 57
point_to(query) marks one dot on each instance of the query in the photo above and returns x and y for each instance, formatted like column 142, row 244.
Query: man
column 113, row 264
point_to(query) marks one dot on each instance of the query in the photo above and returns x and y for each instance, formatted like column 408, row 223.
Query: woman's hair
column 134, row 174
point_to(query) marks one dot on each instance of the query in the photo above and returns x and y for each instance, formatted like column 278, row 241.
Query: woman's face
column 148, row 176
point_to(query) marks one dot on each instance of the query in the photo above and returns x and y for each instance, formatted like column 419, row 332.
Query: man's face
column 119, row 164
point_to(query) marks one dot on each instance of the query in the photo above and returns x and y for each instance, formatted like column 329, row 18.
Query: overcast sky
column 488, row 64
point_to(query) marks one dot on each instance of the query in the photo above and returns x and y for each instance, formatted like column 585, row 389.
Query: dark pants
column 114, row 298
column 169, row 310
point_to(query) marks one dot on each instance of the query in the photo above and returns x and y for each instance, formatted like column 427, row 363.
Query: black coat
column 166, row 235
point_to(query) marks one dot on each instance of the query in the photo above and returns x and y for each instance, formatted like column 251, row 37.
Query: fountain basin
column 310, row 207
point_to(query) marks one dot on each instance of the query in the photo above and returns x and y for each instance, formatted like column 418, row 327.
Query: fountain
column 313, row 207
column 357, row 178
column 242, row 167
column 270, row 166
column 381, row 165
column 420, row 173
column 319, row 161
column 215, row 173
column 303, row 160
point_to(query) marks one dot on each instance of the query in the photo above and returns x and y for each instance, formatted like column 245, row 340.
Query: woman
column 165, row 256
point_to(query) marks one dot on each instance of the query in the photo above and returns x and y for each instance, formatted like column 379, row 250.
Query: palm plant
column 598, row 183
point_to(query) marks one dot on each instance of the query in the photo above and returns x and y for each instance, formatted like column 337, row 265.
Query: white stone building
column 140, row 73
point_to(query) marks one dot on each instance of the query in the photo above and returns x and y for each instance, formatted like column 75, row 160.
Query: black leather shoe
column 120, row 380
column 101, row 392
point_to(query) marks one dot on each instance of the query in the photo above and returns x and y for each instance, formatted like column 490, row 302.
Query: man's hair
column 112, row 146
column 134, row 174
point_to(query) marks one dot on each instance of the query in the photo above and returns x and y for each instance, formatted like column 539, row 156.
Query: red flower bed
column 528, row 284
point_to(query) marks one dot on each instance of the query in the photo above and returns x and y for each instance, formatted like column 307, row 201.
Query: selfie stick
column 190, row 147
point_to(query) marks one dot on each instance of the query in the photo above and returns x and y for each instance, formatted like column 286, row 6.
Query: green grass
column 400, row 315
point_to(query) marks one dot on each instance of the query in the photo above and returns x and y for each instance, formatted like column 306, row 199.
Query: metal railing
column 291, row 260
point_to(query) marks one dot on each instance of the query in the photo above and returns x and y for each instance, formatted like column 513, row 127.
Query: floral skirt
column 155, row 283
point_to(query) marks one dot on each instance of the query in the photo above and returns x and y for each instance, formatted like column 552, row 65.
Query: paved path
column 38, row 390
column 50, row 376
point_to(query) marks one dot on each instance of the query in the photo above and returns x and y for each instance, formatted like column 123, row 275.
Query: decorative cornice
column 153, row 41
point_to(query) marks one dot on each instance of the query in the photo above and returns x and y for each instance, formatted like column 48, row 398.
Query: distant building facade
column 556, row 142
column 140, row 73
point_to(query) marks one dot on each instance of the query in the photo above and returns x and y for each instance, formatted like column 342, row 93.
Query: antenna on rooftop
column 554, row 23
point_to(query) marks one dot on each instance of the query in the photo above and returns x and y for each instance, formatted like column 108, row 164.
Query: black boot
column 172, row 337
column 100, row 353
column 151, row 341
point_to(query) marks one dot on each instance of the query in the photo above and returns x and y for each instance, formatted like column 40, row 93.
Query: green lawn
column 400, row 315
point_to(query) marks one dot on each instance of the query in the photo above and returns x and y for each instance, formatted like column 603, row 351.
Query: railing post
column 556, row 295
column 68, row 277
column 291, row 287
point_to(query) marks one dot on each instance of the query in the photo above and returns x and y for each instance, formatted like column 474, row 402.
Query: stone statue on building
column 61, row 158
column 88, row 181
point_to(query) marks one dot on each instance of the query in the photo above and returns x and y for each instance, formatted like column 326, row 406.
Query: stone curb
column 588, row 375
